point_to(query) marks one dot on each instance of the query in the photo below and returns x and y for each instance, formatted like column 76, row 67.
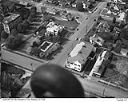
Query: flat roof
column 45, row 46
column 81, row 52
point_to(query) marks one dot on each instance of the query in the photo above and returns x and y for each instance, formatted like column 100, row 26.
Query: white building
column 78, row 56
column 95, row 70
column 95, row 39
column 53, row 29
column 47, row 48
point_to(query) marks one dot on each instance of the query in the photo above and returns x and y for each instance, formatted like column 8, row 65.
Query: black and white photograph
column 68, row 49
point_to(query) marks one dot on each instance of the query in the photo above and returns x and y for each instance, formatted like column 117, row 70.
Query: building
column 103, row 26
column 78, row 56
column 95, row 39
column 108, row 14
column 118, row 1
column 124, row 52
column 53, row 29
column 98, row 69
column 12, row 20
column 47, row 48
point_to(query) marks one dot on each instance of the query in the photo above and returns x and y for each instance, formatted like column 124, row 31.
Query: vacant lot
column 118, row 72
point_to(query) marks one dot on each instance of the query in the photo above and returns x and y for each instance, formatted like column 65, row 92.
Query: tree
column 118, row 46
column 21, row 28
column 14, row 32
column 1, row 18
column 122, row 25
column 124, row 43
column 124, row 33
column 35, row 51
column 55, row 2
column 126, row 1
column 79, row 6
column 1, row 28
column 114, row 20
column 4, row 35
column 127, row 17
column 72, row 1
column 43, row 9
column 25, row 23
column 33, row 11
column 48, row 18
column 107, row 36
column 24, row 13
column 91, row 6
column 13, row 42
column 111, row 28
column 30, row 19
column 70, row 17
column 126, row 6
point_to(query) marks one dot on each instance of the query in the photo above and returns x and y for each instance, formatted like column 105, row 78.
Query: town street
column 83, row 29
column 102, row 89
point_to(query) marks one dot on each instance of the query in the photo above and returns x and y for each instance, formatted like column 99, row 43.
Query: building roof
column 96, row 39
column 120, row 16
column 10, row 18
column 76, row 50
column 53, row 28
column 103, row 55
column 80, row 52
column 124, row 52
column 45, row 46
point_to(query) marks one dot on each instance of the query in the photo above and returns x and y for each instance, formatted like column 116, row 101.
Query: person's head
column 54, row 81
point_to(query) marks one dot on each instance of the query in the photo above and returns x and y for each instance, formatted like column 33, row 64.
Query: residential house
column 78, row 56
column 12, row 20
column 53, row 29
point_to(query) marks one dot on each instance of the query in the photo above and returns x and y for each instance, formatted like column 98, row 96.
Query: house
column 95, row 39
column 78, row 56
column 98, row 69
column 124, row 52
column 12, row 20
column 103, row 26
column 47, row 48
column 108, row 14
column 53, row 29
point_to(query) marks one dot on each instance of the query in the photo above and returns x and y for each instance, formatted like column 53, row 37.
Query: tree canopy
column 79, row 6
column 124, row 33
column 4, row 35
column 14, row 32
column 13, row 42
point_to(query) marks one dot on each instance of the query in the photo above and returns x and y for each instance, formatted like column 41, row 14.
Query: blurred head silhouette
column 54, row 81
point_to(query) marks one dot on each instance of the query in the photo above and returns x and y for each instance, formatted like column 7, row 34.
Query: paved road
column 88, row 23
column 102, row 89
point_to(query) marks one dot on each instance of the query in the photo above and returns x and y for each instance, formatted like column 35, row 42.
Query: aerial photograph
column 64, row 48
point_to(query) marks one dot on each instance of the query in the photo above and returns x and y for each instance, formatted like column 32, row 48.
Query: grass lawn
column 122, row 65
column 119, row 73
column 68, row 24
